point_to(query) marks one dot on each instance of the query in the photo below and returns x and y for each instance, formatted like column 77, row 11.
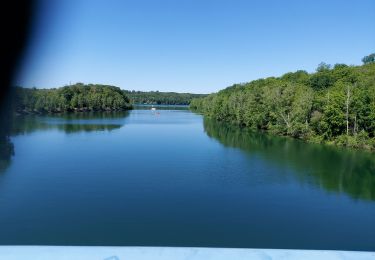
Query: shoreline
column 329, row 143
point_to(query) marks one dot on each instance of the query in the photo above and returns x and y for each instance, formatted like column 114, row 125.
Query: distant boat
column 153, row 108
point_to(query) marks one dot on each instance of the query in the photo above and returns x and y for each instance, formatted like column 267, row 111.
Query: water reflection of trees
column 69, row 123
column 6, row 150
column 6, row 146
column 334, row 169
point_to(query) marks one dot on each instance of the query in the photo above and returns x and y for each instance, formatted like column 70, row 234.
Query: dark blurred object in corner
column 15, row 19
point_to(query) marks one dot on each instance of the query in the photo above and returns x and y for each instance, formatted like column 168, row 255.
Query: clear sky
column 197, row 46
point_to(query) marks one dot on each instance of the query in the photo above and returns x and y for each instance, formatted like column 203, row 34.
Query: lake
column 172, row 178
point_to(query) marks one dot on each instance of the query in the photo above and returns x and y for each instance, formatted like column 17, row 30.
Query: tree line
column 161, row 98
column 90, row 97
column 77, row 97
column 334, row 105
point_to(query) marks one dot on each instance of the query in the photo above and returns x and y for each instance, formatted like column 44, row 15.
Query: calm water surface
column 171, row 178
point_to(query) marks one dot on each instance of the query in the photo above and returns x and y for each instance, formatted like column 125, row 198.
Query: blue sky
column 197, row 46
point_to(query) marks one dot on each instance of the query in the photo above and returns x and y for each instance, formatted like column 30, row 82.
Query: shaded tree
column 369, row 59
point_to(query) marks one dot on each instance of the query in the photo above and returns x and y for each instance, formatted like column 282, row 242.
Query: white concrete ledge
column 170, row 253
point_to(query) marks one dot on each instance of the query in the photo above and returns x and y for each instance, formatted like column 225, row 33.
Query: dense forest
column 78, row 97
column 91, row 97
column 161, row 98
column 334, row 105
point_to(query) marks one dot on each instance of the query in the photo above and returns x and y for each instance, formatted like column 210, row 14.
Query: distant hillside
column 161, row 98
column 91, row 97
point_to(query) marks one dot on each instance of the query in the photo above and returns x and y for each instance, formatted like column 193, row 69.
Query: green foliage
column 334, row 105
column 78, row 97
column 369, row 59
column 161, row 98
column 323, row 67
column 321, row 80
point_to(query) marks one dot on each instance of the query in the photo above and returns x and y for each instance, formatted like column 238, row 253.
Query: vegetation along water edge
column 334, row 105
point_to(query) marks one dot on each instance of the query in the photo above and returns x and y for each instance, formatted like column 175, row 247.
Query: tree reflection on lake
column 334, row 169
column 69, row 123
